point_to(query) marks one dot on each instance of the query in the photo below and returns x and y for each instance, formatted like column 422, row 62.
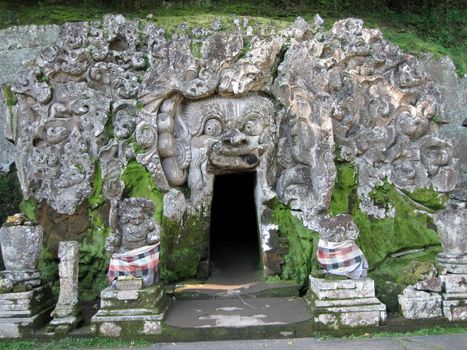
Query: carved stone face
column 236, row 130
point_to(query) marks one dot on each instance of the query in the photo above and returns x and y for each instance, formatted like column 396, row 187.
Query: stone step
column 257, row 289
column 238, row 313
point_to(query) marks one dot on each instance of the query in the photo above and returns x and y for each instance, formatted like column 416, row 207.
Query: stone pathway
column 441, row 342
column 237, row 312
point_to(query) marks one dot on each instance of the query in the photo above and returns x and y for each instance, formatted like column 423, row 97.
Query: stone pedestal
column 455, row 296
column 23, row 312
column 67, row 314
column 452, row 228
column 344, row 303
column 131, row 312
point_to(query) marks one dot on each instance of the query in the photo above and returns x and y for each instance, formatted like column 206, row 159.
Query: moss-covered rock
column 185, row 244
column 93, row 258
column 139, row 183
column 409, row 228
column 300, row 260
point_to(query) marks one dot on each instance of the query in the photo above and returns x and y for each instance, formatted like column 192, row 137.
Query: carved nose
column 234, row 138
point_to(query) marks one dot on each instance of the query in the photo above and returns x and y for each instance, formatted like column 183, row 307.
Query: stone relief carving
column 187, row 115
column 136, row 227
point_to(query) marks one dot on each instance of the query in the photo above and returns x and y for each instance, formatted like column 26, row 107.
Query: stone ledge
column 344, row 303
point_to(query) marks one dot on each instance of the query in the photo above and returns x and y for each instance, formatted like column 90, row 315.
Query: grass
column 436, row 30
column 73, row 343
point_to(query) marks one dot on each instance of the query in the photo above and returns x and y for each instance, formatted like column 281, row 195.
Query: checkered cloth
column 141, row 262
column 342, row 258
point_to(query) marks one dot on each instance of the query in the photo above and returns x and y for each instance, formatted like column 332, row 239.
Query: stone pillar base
column 416, row 304
column 455, row 296
column 23, row 313
column 344, row 303
column 131, row 312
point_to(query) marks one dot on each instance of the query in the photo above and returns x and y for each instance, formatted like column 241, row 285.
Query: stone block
column 342, row 289
column 455, row 309
column 344, row 303
column 417, row 304
column 454, row 283
column 131, row 312
column 129, row 284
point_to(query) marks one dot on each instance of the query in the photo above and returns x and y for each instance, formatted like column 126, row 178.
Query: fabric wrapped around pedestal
column 342, row 258
column 141, row 262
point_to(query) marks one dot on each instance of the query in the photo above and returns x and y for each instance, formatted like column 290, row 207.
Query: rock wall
column 17, row 45
column 201, row 102
column 454, row 91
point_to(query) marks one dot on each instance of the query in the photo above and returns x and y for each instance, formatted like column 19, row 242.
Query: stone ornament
column 279, row 105
column 136, row 227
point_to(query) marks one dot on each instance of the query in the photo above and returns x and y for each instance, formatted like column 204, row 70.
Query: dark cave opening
column 234, row 247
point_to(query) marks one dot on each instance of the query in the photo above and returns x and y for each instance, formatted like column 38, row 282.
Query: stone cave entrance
column 234, row 247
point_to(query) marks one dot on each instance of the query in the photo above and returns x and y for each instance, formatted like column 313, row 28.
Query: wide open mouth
column 235, row 158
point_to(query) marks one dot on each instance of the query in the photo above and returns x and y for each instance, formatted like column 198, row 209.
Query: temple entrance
column 234, row 248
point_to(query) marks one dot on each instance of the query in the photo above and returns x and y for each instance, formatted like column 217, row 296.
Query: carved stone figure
column 337, row 252
column 136, row 227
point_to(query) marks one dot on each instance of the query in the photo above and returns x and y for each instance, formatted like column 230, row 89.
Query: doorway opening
column 234, row 247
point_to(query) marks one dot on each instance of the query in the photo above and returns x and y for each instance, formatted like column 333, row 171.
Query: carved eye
column 213, row 127
column 252, row 126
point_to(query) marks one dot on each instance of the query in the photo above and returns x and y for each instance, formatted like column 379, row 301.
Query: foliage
column 300, row 259
column 10, row 194
column 48, row 268
column 28, row 208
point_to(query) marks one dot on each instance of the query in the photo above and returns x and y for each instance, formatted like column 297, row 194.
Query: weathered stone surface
column 455, row 310
column 21, row 246
column 118, row 90
column 17, row 45
column 136, row 227
column 454, row 92
column 342, row 289
column 345, row 303
column 452, row 228
column 66, row 310
column 418, row 304
column 130, row 312
column 454, row 283
column 433, row 284
column 25, row 312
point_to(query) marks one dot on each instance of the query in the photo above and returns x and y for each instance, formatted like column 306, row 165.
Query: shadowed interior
column 234, row 245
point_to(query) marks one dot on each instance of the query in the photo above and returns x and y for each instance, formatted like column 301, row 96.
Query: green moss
column 93, row 258
column 300, row 259
column 392, row 275
column 10, row 194
column 345, row 189
column 195, row 47
column 139, row 183
column 97, row 199
column 408, row 228
column 28, row 208
column 184, row 245
column 429, row 198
